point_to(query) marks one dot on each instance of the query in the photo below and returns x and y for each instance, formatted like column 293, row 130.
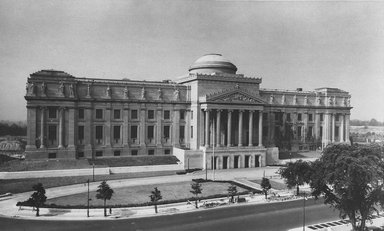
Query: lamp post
column 88, row 200
column 304, row 199
column 93, row 172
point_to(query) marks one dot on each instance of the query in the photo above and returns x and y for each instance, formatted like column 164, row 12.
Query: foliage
column 266, row 186
column 232, row 190
column 196, row 190
column 104, row 192
column 351, row 180
column 38, row 197
column 13, row 129
column 372, row 122
column 155, row 197
column 296, row 174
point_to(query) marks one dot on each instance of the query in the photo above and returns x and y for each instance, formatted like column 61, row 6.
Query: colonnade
column 236, row 161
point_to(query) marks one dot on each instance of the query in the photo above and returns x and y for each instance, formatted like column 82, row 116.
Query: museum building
column 212, row 117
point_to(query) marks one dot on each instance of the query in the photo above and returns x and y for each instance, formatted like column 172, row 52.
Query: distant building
column 210, row 114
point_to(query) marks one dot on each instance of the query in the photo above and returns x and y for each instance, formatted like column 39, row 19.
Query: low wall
column 88, row 171
column 273, row 156
column 189, row 158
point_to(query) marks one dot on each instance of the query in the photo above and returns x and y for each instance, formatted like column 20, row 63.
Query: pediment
column 235, row 96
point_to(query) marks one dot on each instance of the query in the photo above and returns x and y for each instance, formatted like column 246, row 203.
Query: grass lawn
column 140, row 194
column 9, row 165
column 275, row 184
column 24, row 185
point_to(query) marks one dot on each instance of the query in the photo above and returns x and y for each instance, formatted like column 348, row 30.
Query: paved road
column 273, row 216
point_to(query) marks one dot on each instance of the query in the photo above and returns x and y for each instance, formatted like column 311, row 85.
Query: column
column 229, row 128
column 250, row 129
column 218, row 136
column 333, row 128
column 347, row 127
column 71, row 128
column 260, row 128
column 159, row 126
column 305, row 127
column 240, row 128
column 107, row 134
column 142, row 126
column 342, row 129
column 317, row 125
column 125, row 126
column 207, row 128
column 31, row 128
column 88, row 134
column 42, row 121
column 176, row 127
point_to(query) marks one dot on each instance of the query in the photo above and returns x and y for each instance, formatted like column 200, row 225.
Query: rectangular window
column 52, row 134
column 191, row 132
column 80, row 155
column 309, row 133
column 116, row 114
column 191, row 115
column 151, row 114
column 182, row 114
column 182, row 134
column 99, row 134
column 167, row 115
column 321, row 131
column 310, row 117
column 321, row 117
column 276, row 116
column 134, row 152
column 337, row 117
column 166, row 131
column 116, row 153
column 151, row 152
column 134, row 114
column 99, row 113
column 299, row 131
column 299, row 117
column 265, row 116
column 99, row 153
column 265, row 131
column 134, row 132
column 337, row 131
column 80, row 134
column 52, row 113
column 150, row 132
column 116, row 133
column 167, row 151
column 288, row 116
column 52, row 155
column 81, row 113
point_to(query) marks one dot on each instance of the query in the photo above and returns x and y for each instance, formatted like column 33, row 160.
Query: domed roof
column 212, row 63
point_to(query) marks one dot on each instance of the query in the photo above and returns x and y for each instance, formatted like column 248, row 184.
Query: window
column 52, row 134
column 299, row 117
column 52, row 113
column 288, row 116
column 321, row 117
column 167, row 114
column 134, row 114
column 167, row 151
column 80, row 155
column 309, row 133
column 337, row 131
column 299, row 131
column 134, row 132
column 321, row 131
column 265, row 131
column 52, row 155
column 310, row 117
column 265, row 116
column 191, row 115
column 99, row 134
column 134, row 152
column 116, row 133
column 276, row 116
column 337, row 117
column 99, row 113
column 116, row 114
column 182, row 114
column 151, row 114
column 191, row 132
column 80, row 134
column 99, row 153
column 182, row 134
column 116, row 153
column 150, row 132
column 166, row 131
column 151, row 152
column 81, row 113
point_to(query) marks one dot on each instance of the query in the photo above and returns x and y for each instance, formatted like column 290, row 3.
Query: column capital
column 230, row 110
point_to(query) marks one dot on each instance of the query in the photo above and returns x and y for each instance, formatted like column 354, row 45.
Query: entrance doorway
column 236, row 162
column 225, row 162
column 214, row 163
column 246, row 164
column 257, row 162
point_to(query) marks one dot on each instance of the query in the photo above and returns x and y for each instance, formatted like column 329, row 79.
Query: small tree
column 196, row 190
column 232, row 190
column 296, row 174
column 104, row 192
column 38, row 197
column 266, row 185
column 155, row 197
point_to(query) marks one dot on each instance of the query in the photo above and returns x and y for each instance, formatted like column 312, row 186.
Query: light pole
column 88, row 200
column 93, row 172
column 304, row 199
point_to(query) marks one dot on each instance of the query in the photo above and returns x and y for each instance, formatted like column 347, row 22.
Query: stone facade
column 224, row 117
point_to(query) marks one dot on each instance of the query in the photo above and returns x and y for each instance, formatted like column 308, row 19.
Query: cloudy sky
column 288, row 44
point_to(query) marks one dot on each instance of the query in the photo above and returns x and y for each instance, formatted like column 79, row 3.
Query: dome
column 212, row 63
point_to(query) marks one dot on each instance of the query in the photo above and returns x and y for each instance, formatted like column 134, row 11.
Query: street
column 272, row 216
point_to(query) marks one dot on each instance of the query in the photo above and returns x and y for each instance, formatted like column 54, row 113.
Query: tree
column 38, row 197
column 232, row 190
column 104, row 192
column 266, row 186
column 155, row 197
column 351, row 180
column 296, row 174
column 196, row 190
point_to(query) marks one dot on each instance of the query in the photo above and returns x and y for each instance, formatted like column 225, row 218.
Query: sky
column 289, row 44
